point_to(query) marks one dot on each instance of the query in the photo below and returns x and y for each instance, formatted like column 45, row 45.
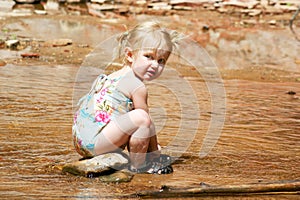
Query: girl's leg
column 154, row 148
column 134, row 128
column 137, row 145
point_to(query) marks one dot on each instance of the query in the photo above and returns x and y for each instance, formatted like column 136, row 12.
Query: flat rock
column 100, row 165
column 98, row 1
column 27, row 1
column 60, row 42
column 6, row 5
column 30, row 55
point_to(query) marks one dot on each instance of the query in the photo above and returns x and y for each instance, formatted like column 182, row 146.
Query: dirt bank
column 258, row 48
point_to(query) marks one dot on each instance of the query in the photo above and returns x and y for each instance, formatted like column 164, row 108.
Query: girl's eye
column 161, row 61
column 149, row 57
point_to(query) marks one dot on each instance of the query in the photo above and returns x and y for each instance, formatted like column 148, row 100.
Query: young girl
column 115, row 113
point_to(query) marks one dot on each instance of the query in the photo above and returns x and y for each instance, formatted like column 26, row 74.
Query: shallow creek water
column 259, row 143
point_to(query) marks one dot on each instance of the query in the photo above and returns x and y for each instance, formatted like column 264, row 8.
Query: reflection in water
column 260, row 141
column 78, row 32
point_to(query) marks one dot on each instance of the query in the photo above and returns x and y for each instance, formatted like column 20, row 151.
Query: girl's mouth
column 152, row 73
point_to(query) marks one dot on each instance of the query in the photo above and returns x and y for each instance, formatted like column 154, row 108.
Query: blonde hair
column 139, row 38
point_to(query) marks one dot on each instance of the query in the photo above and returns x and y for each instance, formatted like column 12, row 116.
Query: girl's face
column 148, row 64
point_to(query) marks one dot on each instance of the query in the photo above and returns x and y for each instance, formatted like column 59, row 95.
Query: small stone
column 249, row 22
column 98, row 1
column 83, row 45
column 61, row 42
column 205, row 28
column 134, row 9
column 187, row 8
column 12, row 44
column 73, row 1
column 204, row 185
column 250, row 4
column 140, row 2
column 30, row 55
column 291, row 92
column 222, row 10
column 254, row 12
column 26, row 1
column 272, row 22
column 164, row 188
column 2, row 63
column 104, row 7
column 160, row 6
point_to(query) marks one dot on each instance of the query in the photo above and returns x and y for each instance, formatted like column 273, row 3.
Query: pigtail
column 176, row 38
column 122, row 40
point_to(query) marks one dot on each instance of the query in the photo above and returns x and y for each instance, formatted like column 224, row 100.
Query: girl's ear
column 128, row 54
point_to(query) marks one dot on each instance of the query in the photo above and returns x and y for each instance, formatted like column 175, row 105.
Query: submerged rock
column 60, row 42
column 117, row 177
column 100, row 165
column 2, row 63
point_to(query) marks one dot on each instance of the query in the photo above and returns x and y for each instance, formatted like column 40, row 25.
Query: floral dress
column 96, row 109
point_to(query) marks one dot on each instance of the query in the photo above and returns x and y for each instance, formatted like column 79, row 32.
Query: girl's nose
column 154, row 63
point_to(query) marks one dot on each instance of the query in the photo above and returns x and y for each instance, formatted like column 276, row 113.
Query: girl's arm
column 139, row 98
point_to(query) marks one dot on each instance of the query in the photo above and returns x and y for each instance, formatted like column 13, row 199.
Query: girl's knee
column 141, row 118
column 138, row 142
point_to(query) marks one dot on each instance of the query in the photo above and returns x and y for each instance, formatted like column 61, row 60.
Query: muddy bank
column 257, row 49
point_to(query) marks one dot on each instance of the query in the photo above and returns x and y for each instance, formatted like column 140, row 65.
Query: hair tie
column 126, row 32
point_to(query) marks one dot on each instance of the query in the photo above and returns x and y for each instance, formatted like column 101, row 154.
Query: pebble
column 40, row 12
column 272, row 22
column 291, row 92
column 26, row 1
column 12, row 44
column 254, row 12
column 73, row 1
column 61, row 42
column 2, row 63
column 98, row 1
column 30, row 55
